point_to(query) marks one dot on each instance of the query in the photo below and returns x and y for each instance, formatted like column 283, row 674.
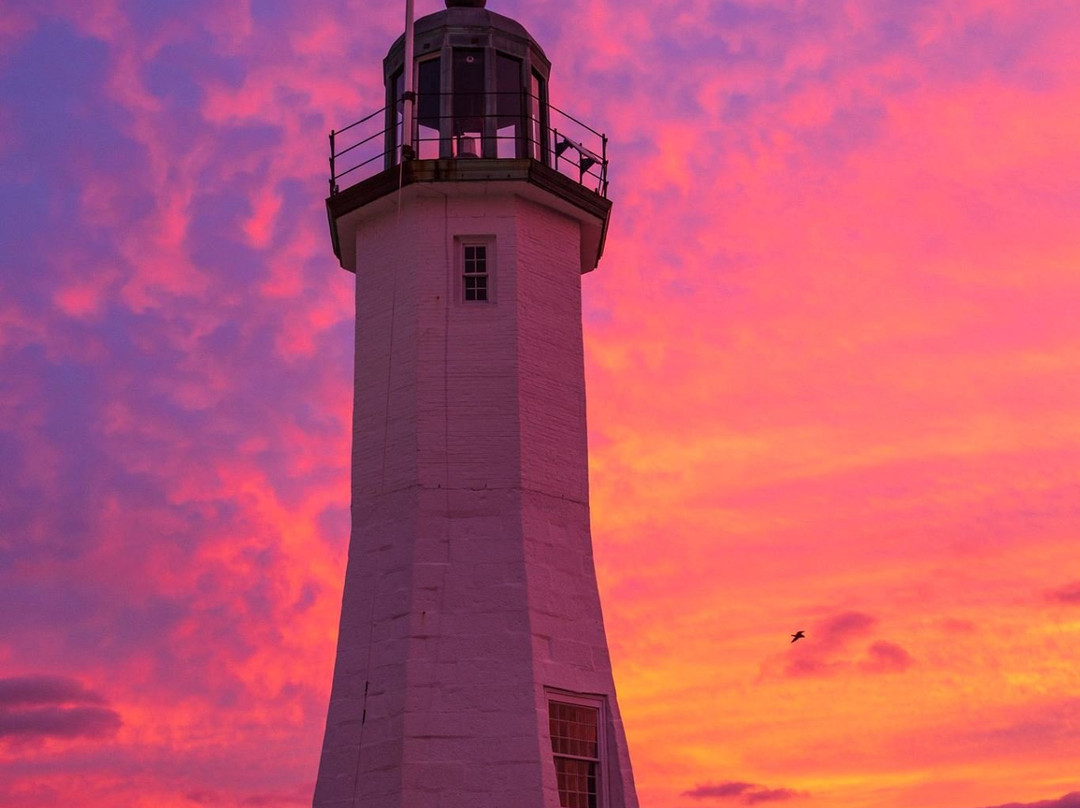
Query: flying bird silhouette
column 798, row 635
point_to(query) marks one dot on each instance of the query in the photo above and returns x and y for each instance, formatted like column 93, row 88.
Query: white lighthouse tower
column 472, row 667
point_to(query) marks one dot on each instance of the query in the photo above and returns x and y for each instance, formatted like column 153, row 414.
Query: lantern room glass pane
column 395, row 107
column 508, row 97
column 538, row 124
column 468, row 82
column 428, row 108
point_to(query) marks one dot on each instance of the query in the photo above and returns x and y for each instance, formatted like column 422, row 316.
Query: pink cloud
column 79, row 301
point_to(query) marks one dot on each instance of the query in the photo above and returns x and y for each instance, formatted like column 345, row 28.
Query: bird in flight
column 798, row 635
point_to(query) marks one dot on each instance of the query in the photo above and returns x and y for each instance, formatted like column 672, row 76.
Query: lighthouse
column 472, row 668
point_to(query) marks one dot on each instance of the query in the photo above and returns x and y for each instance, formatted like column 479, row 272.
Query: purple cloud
column 748, row 793
column 36, row 707
column 886, row 657
column 827, row 649
column 771, row 795
column 709, row 790
column 1070, row 800
column 19, row 691
column 59, row 722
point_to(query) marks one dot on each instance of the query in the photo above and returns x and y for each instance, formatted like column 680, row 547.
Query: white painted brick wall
column 470, row 585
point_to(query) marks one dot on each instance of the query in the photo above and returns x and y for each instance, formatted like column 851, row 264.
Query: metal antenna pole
column 408, row 150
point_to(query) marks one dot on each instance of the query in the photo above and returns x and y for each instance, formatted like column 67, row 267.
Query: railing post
column 409, row 129
column 550, row 149
column 333, row 177
column 603, row 154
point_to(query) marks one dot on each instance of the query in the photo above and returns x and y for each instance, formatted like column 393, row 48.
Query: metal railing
column 471, row 125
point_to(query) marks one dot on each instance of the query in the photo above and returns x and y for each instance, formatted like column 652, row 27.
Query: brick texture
column 470, row 585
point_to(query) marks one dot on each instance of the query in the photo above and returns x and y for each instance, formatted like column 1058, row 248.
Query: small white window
column 576, row 723
column 475, row 272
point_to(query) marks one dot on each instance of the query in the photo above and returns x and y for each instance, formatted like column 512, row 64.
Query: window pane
column 574, row 730
column 474, row 272
column 577, row 782
column 538, row 126
column 396, row 112
column 508, row 88
column 428, row 107
column 468, row 67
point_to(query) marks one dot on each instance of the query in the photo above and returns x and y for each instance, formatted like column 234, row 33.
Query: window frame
column 395, row 118
column 539, row 141
column 596, row 702
column 430, row 102
column 461, row 243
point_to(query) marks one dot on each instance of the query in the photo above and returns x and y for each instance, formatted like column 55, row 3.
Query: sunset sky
column 833, row 363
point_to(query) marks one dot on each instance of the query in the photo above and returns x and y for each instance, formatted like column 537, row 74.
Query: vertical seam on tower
column 448, row 285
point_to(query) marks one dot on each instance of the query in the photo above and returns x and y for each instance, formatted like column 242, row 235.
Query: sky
column 833, row 366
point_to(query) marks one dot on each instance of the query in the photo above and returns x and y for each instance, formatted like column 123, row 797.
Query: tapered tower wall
column 470, row 588
column 569, row 644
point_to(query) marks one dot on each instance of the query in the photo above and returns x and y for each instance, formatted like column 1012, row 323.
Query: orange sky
column 833, row 357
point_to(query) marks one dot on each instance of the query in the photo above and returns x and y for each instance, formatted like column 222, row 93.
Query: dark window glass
column 395, row 116
column 508, row 97
column 428, row 106
column 468, row 104
column 538, row 125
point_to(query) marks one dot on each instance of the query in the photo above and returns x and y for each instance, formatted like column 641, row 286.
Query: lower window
column 575, row 746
